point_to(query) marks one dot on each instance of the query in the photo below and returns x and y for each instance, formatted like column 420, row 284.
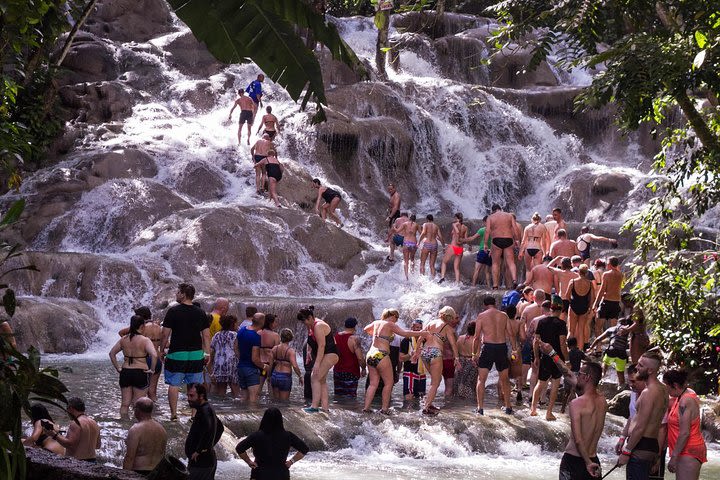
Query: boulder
column 508, row 69
column 620, row 404
column 201, row 181
column 433, row 25
column 121, row 163
column 462, row 58
column 184, row 52
column 368, row 99
column 42, row 465
column 57, row 325
column 199, row 96
column 98, row 102
column 130, row 20
column 90, row 59
column 335, row 72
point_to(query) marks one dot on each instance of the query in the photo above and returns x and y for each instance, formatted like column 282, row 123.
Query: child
column 576, row 357
column 616, row 353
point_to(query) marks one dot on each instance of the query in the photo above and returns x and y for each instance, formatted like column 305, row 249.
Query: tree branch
column 76, row 28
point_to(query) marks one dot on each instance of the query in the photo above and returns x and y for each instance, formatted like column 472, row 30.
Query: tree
column 653, row 57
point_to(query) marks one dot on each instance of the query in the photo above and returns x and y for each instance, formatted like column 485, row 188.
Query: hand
column 623, row 460
column 363, row 372
column 301, row 381
column 149, row 371
column 655, row 468
column 619, row 445
column 251, row 464
column 118, row 369
column 288, row 463
column 593, row 469
column 672, row 464
column 458, row 365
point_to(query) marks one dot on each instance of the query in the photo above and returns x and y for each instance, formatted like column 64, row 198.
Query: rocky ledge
column 43, row 465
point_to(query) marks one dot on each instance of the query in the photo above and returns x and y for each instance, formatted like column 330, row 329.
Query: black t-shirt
column 201, row 437
column 186, row 323
column 271, row 451
column 576, row 358
column 550, row 330
column 408, row 366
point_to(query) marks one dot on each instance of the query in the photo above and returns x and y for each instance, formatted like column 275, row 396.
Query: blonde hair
column 447, row 311
column 583, row 269
column 389, row 312
column 536, row 217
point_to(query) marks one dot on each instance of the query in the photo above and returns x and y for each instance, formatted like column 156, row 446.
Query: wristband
column 625, row 452
column 621, row 439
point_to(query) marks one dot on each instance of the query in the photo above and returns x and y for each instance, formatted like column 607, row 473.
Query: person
column 636, row 387
column 324, row 351
column 186, row 330
column 270, row 123
column 396, row 239
column 284, row 362
column 493, row 332
column 153, row 331
column 608, row 298
column 271, row 445
column 409, row 231
column 483, row 261
column 83, row 434
column 223, row 362
column 616, row 353
column 466, row 376
column 273, row 171
column 250, row 366
column 501, row 228
column 432, row 344
column 685, row 441
column 575, row 358
column 332, row 199
column 308, row 364
column 563, row 247
column 221, row 307
column 641, row 447
column 517, row 333
column 135, row 373
column 250, row 312
column 351, row 363
column 40, row 416
column 259, row 151
column 429, row 238
column 200, row 441
column 383, row 333
column 459, row 232
column 583, row 243
column 146, row 440
column 254, row 90
column 7, row 336
column 529, row 318
column 587, row 419
column 535, row 243
column 393, row 213
column 552, row 330
column 554, row 223
column 247, row 113
column 414, row 380
column 448, row 371
column 639, row 338
column 269, row 339
column 581, row 295
column 563, row 275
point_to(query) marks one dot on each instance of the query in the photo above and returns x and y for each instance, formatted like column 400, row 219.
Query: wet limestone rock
column 584, row 190
column 335, row 72
column 201, row 181
column 130, row 20
column 122, row 163
column 508, row 69
column 98, row 102
column 184, row 52
column 620, row 404
column 90, row 59
column 44, row 465
column 433, row 25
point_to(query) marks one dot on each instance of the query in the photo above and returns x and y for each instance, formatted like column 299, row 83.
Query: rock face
column 130, row 20
column 620, row 404
column 200, row 181
column 42, row 465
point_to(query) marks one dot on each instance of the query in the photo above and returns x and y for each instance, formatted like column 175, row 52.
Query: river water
column 352, row 445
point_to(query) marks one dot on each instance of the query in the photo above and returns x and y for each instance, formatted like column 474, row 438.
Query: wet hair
column 546, row 304
column 316, row 181
column 404, row 214
column 286, row 335
column 556, row 210
column 527, row 289
column 547, row 258
column 250, row 311
column 389, row 312
column 495, row 207
column 269, row 320
column 484, row 219
column 187, row 289
column 675, row 377
column 583, row 270
column 594, row 370
column 562, row 233
column 655, row 356
column 429, row 217
column 614, row 261
column 584, row 229
column 572, row 342
column 566, row 263
column 511, row 311
column 306, row 313
column 471, row 328
column 272, row 421
column 489, row 300
column 136, row 321
column 144, row 312
column 268, row 109
column 536, row 217
column 76, row 403
column 459, row 216
column 539, row 294
column 38, row 411
column 227, row 321
column 241, row 92
column 447, row 311
column 199, row 389
column 599, row 263
column 412, row 217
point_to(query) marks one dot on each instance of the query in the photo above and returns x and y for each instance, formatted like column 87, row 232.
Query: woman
column 134, row 374
column 39, row 415
column 684, row 440
column 466, row 376
column 322, row 348
column 269, row 338
column 535, row 241
column 274, row 171
column 271, row 445
column 409, row 231
column 455, row 249
column 383, row 333
column 332, row 200
column 581, row 293
column 223, row 362
column 284, row 362
column 431, row 353
column 429, row 238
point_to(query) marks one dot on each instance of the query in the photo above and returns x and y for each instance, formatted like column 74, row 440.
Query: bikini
column 429, row 354
column 375, row 355
column 533, row 251
column 456, row 250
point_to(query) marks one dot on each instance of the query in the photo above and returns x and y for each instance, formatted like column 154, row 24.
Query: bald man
column 146, row 440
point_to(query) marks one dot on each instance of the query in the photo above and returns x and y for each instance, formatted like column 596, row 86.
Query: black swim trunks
column 246, row 116
column 502, row 243
column 609, row 309
column 532, row 251
column 135, row 378
column 259, row 158
column 494, row 353
column 573, row 468
column 395, row 216
column 271, row 133
column 548, row 369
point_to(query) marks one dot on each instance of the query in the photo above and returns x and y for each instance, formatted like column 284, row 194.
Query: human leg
column 435, row 370
column 423, row 259
column 456, row 266
column 372, row 388
column 126, row 394
column 480, row 387
column 331, row 210
column 688, row 468
column 446, row 258
column 173, row 392
column 406, row 261
column 554, row 385
column 433, row 259
column 496, row 254
column 540, row 387
column 273, row 191
column 509, row 257
column 386, row 373
column 505, row 387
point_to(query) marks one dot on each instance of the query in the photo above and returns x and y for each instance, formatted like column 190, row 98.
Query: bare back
column 464, row 345
column 501, row 225
column 409, row 231
column 268, row 339
column 430, row 232
column 563, row 248
column 542, row 278
column 150, row 441
column 564, row 277
column 612, row 284
column 245, row 103
column 89, row 438
column 587, row 419
column 492, row 326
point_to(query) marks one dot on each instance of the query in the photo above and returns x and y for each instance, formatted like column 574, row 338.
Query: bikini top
column 387, row 338
column 131, row 357
column 438, row 336
column 284, row 356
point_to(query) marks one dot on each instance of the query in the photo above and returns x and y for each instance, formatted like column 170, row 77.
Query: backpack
column 512, row 297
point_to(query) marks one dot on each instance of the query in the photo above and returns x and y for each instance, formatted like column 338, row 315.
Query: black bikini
column 273, row 170
column 330, row 346
column 329, row 194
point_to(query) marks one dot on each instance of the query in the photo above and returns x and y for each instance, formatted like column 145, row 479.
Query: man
column 587, row 419
column 562, row 247
column 492, row 329
column 555, row 222
column 609, row 296
column 414, row 379
column 641, row 446
column 83, row 434
column 222, row 305
column 392, row 219
column 448, row 371
column 429, row 238
column 254, row 89
column 247, row 112
column 250, row 311
column 396, row 239
column 259, row 151
column 616, row 353
column 187, row 330
column 584, row 240
column 529, row 318
column 636, row 387
column 500, row 226
column 247, row 350
column 351, row 364
column 483, row 261
column 550, row 330
column 270, row 122
column 563, row 276
column 576, row 261
column 200, row 442
column 146, row 440
column 542, row 277
column 517, row 332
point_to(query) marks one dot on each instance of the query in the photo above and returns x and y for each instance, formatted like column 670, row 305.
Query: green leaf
column 699, row 59
column 700, row 39
column 12, row 215
column 380, row 20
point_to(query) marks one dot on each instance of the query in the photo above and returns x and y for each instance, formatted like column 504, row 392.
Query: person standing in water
column 269, row 338
column 332, row 199
column 393, row 213
column 348, row 371
column 200, row 441
column 250, row 368
column 409, row 231
column 254, row 90
column 500, row 226
column 455, row 250
column 274, row 171
column 223, row 362
column 535, row 243
column 259, row 151
column 324, row 351
column 284, row 362
column 153, row 331
column 483, row 261
column 608, row 298
column 146, row 440
column 83, row 435
column 581, row 294
column 466, row 376
column 396, row 239
column 414, row 381
column 585, row 239
column 270, row 123
column 247, row 112
column 429, row 238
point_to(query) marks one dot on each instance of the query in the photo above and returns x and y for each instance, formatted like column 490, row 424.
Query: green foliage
column 345, row 8
column 265, row 32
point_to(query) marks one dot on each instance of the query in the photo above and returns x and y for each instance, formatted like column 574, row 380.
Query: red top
column 348, row 362
column 695, row 446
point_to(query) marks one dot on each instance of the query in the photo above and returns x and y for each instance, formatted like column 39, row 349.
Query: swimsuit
column 584, row 251
column 494, row 353
column 431, row 247
column 330, row 346
column 259, row 158
column 273, row 171
column 375, row 356
column 398, row 240
column 502, row 243
column 135, row 378
column 573, row 468
column 483, row 258
column 281, row 380
column 329, row 194
column 609, row 309
column 695, row 446
column 246, row 116
column 457, row 250
column 410, row 245
column 270, row 133
column 580, row 304
column 532, row 251
column 429, row 354
column 394, row 217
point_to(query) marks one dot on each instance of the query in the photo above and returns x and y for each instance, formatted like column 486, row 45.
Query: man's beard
column 642, row 375
column 195, row 404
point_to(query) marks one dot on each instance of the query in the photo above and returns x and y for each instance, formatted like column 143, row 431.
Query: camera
column 47, row 425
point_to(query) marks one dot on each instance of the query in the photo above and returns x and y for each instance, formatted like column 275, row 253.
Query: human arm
column 235, row 104
column 563, row 347
column 688, row 410
column 317, row 202
column 37, row 431
column 113, row 354
column 635, row 432
column 601, row 293
column 124, row 331
column 320, row 332
column 300, row 447
column 166, row 332
column 487, row 235
column 206, row 341
column 7, row 334
column 509, row 336
column 208, row 423
column 452, row 340
column 131, row 443
column 152, row 353
column 599, row 339
column 255, row 357
column 568, row 289
column 357, row 350
column 293, row 363
column 578, row 435
column 69, row 440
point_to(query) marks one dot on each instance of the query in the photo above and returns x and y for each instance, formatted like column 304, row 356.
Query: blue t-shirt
column 247, row 339
column 254, row 90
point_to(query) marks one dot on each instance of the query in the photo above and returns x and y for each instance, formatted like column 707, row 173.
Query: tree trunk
column 382, row 18
column 706, row 136
column 76, row 28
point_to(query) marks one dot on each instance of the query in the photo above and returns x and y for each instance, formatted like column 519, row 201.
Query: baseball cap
column 417, row 320
column 351, row 322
